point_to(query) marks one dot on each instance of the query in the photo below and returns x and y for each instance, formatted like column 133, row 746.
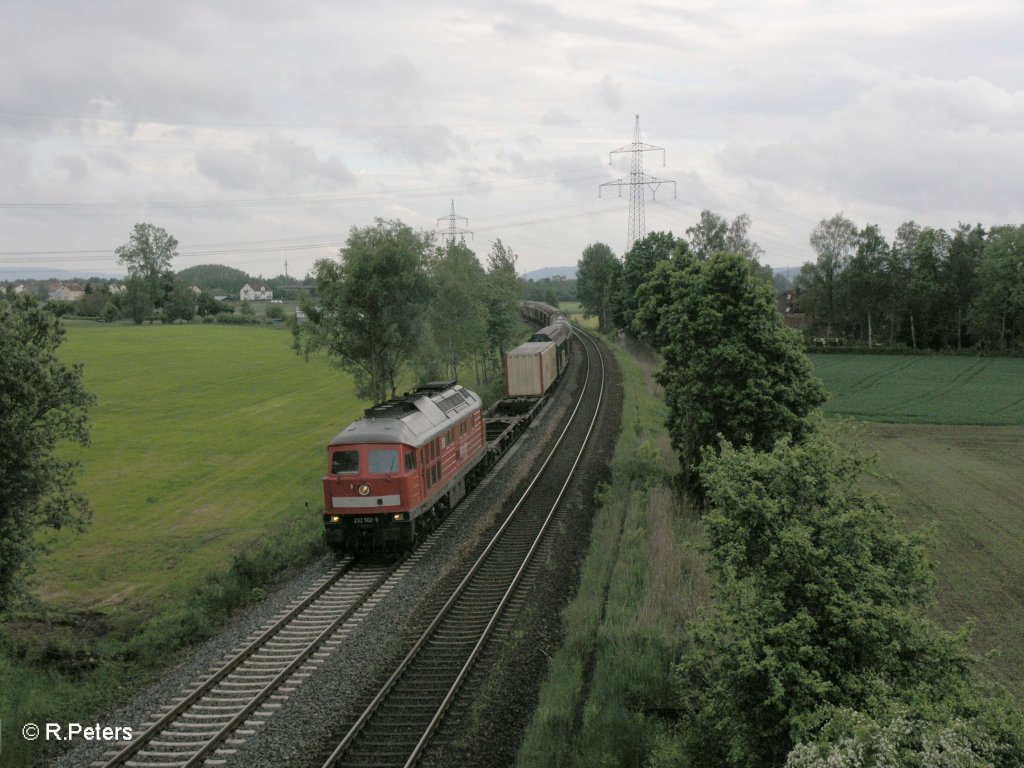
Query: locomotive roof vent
column 436, row 386
column 392, row 409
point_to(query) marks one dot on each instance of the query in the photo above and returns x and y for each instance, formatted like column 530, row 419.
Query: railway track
column 206, row 724
column 397, row 725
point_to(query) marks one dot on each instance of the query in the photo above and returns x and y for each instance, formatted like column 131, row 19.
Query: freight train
column 395, row 473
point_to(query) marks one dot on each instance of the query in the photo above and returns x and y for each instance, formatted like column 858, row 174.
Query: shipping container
column 531, row 368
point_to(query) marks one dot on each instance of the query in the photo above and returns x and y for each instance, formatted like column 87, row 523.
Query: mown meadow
column 948, row 433
column 203, row 474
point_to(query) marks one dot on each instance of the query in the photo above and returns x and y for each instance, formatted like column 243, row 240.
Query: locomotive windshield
column 383, row 461
column 344, row 462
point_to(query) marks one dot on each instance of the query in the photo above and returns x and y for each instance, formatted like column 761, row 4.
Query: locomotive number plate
column 366, row 520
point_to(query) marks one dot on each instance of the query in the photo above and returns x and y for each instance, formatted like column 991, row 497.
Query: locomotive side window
column 344, row 462
column 410, row 460
column 383, row 461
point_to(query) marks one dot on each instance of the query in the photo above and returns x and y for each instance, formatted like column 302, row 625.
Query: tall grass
column 607, row 699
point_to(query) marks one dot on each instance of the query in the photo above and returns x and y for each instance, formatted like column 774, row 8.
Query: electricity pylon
column 453, row 230
column 637, row 182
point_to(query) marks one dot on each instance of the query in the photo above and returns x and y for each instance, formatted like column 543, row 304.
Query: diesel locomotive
column 393, row 474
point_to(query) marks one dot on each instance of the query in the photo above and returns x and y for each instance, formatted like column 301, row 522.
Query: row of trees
column 394, row 302
column 817, row 650
column 607, row 287
column 928, row 288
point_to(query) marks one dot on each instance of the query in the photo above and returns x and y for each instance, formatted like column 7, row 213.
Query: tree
column 714, row 233
column 42, row 402
column 147, row 256
column 458, row 282
column 997, row 314
column 597, row 275
column 820, row 604
column 960, row 273
column 179, row 302
column 861, row 287
column 372, row 305
column 834, row 240
column 731, row 369
column 502, row 294
column 638, row 265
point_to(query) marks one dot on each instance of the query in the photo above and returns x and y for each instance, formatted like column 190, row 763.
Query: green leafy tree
column 714, row 233
column 835, row 241
column 179, row 302
column 502, row 294
column 637, row 266
column 960, row 273
column 820, row 604
column 459, row 308
column 206, row 305
column 861, row 287
column 997, row 313
column 147, row 257
column 372, row 304
column 730, row 366
column 42, row 403
column 597, row 276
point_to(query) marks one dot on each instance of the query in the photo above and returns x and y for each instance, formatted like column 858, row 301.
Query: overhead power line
column 638, row 181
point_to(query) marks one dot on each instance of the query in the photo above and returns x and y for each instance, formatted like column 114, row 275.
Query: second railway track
column 397, row 725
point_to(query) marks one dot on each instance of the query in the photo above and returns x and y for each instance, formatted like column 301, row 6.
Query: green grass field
column 964, row 486
column 575, row 313
column 205, row 440
column 207, row 444
column 951, row 461
column 908, row 389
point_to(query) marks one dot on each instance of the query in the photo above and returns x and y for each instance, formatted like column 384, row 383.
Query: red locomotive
column 394, row 473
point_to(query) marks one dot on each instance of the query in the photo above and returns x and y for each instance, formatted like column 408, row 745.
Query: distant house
column 19, row 289
column 196, row 289
column 64, row 292
column 116, row 288
column 787, row 303
column 261, row 293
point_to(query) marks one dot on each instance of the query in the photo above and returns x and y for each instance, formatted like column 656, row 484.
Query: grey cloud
column 75, row 167
column 422, row 144
column 915, row 143
column 610, row 93
column 275, row 163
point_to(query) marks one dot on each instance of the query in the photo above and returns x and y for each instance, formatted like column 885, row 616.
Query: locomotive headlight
column 335, row 518
column 364, row 489
column 399, row 516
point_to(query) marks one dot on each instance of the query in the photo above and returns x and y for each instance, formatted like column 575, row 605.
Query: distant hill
column 789, row 273
column 210, row 276
column 540, row 274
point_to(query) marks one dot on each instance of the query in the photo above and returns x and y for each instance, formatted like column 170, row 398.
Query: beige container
column 530, row 368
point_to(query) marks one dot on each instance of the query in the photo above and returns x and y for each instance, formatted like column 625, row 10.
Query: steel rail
column 485, row 635
column 167, row 719
column 403, row 666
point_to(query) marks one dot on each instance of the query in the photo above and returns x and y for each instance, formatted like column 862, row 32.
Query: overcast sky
column 257, row 131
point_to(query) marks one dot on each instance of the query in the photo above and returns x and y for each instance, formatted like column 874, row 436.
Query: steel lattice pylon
column 452, row 231
column 637, row 182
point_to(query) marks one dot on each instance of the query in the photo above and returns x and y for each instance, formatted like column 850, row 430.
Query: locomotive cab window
column 410, row 460
column 383, row 461
column 344, row 462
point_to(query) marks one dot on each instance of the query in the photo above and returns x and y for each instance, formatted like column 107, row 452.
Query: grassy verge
column 607, row 698
column 207, row 447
